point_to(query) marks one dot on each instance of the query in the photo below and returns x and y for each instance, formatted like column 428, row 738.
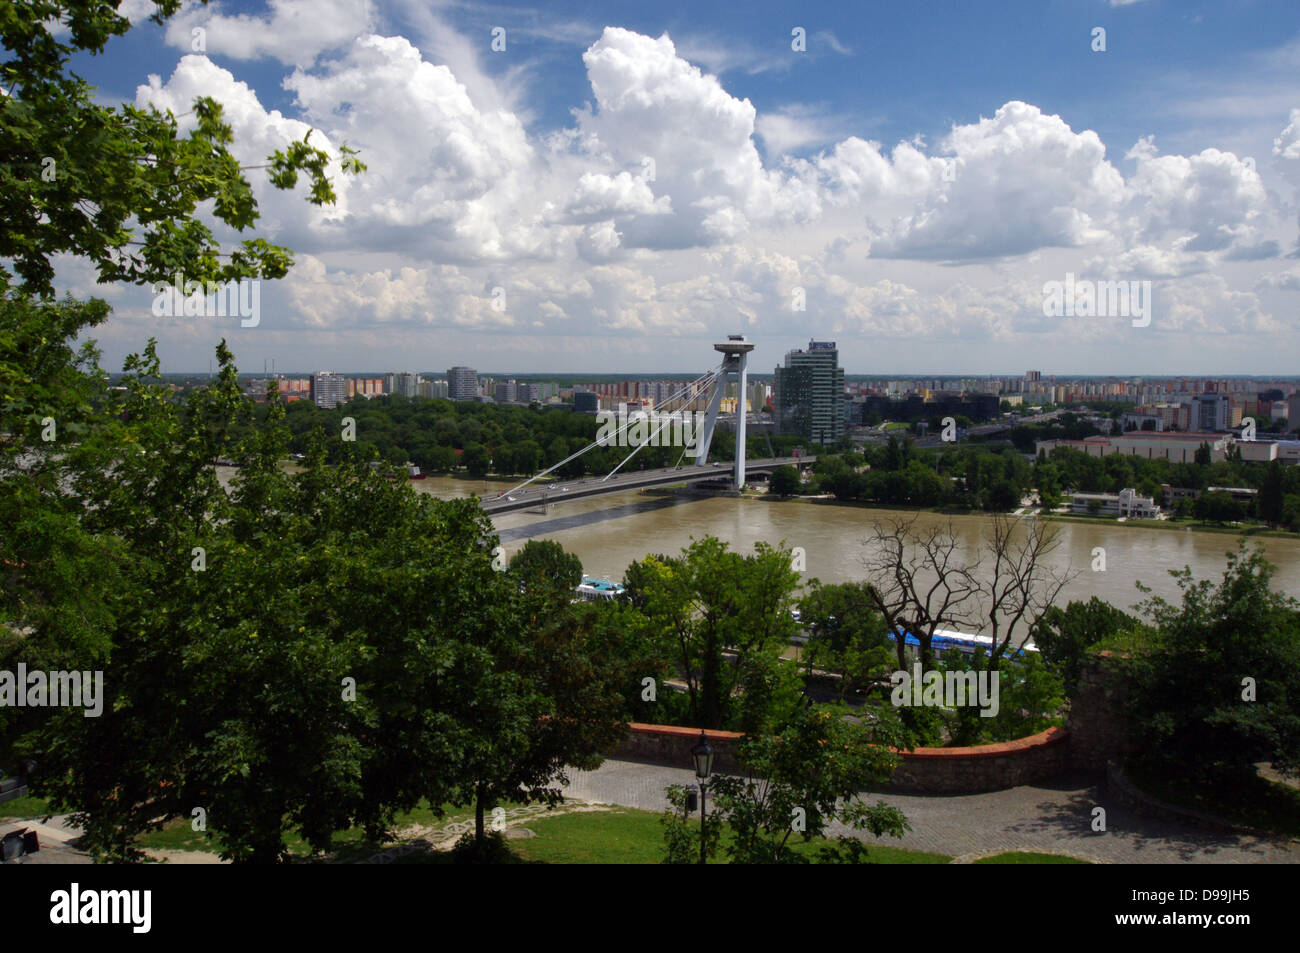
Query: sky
column 615, row 186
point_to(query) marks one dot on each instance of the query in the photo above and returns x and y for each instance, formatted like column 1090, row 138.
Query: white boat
column 598, row 590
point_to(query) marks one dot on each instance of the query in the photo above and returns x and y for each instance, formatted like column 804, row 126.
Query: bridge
column 566, row 490
column 632, row 433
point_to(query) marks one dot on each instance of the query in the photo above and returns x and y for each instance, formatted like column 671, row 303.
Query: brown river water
column 610, row 532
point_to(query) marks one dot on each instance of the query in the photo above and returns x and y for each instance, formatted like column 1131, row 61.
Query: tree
column 1002, row 496
column 120, row 185
column 1216, row 506
column 918, row 582
column 477, row 460
column 1021, row 584
column 785, row 481
column 1063, row 636
column 270, row 661
column 848, row 634
column 1272, row 494
column 545, row 563
column 724, row 614
column 548, row 698
column 1220, row 691
column 800, row 779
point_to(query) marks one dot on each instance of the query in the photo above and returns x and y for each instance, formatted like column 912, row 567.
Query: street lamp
column 702, row 754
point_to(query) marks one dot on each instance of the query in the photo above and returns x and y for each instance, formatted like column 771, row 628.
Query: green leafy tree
column 268, row 662
column 549, row 698
column 1216, row 506
column 721, row 611
column 801, row 778
column 848, row 635
column 546, row 564
column 1063, row 636
column 785, row 481
column 1272, row 494
column 121, row 185
column 1220, row 691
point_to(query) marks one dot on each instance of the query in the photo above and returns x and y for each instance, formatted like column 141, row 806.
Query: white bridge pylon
column 735, row 353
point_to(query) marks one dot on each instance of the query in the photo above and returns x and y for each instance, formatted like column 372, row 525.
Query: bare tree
column 920, row 582
column 1022, row 584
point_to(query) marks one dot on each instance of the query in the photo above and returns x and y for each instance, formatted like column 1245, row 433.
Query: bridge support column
column 735, row 351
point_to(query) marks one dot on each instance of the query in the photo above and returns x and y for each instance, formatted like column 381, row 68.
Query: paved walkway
column 1052, row 818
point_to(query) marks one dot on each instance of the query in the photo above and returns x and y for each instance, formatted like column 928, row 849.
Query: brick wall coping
column 1044, row 739
column 677, row 731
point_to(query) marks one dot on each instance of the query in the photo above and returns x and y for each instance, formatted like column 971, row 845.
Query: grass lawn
column 624, row 835
column 1242, row 798
column 617, row 835
column 24, row 809
column 1029, row 857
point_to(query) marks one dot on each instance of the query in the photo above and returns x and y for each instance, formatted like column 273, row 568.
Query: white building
column 1126, row 503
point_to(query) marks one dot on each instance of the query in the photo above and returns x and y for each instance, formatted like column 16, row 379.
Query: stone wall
column 670, row 744
column 983, row 768
column 1096, row 720
column 1093, row 736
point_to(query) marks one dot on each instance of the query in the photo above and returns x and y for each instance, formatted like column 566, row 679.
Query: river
column 608, row 533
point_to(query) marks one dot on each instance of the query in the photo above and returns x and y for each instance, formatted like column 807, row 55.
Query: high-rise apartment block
column 462, row 383
column 328, row 390
column 809, row 394
column 406, row 384
column 1212, row 413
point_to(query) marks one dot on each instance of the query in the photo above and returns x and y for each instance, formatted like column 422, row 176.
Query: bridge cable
column 703, row 380
column 654, row 434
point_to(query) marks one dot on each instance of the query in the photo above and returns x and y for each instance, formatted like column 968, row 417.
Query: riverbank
column 1100, row 521
column 1175, row 526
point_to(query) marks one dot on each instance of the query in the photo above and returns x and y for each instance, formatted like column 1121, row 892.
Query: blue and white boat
column 592, row 589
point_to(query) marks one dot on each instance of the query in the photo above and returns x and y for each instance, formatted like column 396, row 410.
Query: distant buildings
column 1174, row 447
column 586, row 402
column 809, row 394
column 462, row 383
column 365, row 387
column 328, row 390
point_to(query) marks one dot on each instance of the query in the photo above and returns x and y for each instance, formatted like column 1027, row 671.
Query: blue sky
column 1173, row 156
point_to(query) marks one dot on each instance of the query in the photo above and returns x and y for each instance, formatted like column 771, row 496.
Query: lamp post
column 702, row 754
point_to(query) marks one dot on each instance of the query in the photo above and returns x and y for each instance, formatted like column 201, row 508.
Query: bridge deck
column 561, row 491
